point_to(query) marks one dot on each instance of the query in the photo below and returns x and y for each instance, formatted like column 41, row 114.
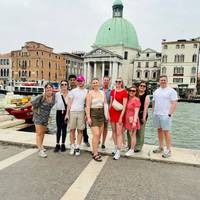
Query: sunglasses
column 64, row 84
column 143, row 86
column 132, row 90
column 118, row 81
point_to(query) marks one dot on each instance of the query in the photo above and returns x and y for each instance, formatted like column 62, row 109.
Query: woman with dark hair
column 131, row 120
column 95, row 115
column 143, row 115
column 61, row 109
column 42, row 105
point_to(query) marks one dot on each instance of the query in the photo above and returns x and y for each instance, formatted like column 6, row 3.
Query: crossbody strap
column 64, row 102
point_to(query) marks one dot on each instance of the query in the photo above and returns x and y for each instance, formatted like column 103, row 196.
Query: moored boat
column 21, row 113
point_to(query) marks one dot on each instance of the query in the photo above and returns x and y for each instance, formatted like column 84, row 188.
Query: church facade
column 114, row 50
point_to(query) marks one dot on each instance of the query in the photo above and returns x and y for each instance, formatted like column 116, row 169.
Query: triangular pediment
column 148, row 50
column 101, row 52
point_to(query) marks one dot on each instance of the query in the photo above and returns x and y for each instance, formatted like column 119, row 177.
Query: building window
column 139, row 64
column 36, row 74
column 155, row 64
column 192, row 80
column 126, row 55
column 42, row 63
column 147, row 55
column 37, row 63
column 179, row 71
column 164, row 71
column 164, row 58
column 177, row 80
column 49, row 75
column 176, row 58
column 165, row 46
column 138, row 74
column 37, row 53
column 7, row 61
column 29, row 73
column 193, row 71
column 1, row 72
column 182, row 58
column 147, row 64
column 194, row 58
column 49, row 65
column 177, row 46
column 195, row 46
column 182, row 46
column 146, row 74
column 154, row 75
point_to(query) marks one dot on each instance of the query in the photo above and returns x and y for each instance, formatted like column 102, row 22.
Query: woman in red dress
column 116, row 115
column 131, row 119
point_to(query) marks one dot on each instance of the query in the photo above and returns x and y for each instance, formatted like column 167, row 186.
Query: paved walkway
column 180, row 155
column 24, row 175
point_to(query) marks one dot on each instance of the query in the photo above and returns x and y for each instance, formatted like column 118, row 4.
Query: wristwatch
column 169, row 115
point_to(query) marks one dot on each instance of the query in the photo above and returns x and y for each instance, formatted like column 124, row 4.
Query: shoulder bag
column 116, row 105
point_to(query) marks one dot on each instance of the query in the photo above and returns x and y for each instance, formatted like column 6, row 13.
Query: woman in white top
column 61, row 107
column 95, row 115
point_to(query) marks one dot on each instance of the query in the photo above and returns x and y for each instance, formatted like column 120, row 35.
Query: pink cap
column 80, row 78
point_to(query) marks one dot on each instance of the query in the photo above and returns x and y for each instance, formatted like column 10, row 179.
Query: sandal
column 97, row 157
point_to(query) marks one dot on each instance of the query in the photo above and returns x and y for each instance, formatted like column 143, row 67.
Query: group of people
column 126, row 109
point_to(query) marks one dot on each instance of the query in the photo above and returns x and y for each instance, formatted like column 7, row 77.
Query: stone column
column 103, row 69
column 114, row 72
column 95, row 69
column 85, row 70
column 88, row 72
column 110, row 69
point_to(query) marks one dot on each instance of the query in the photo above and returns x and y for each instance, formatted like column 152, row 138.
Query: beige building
column 37, row 62
column 180, row 60
column 146, row 66
column 74, row 62
column 5, row 68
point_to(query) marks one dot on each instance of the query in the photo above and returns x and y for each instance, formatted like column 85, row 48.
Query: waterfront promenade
column 145, row 176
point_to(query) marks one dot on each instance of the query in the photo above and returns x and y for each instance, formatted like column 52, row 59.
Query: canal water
column 185, row 129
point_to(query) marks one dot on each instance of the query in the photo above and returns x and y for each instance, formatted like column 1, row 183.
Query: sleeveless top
column 98, row 102
column 142, row 100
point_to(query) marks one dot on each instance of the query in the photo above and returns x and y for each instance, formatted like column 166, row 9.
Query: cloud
column 68, row 25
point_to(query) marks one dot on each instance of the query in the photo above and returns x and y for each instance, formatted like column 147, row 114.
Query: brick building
column 37, row 62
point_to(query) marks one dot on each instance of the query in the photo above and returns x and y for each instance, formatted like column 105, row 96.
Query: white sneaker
column 125, row 148
column 42, row 153
column 77, row 152
column 114, row 151
column 72, row 150
column 130, row 152
column 167, row 153
column 117, row 155
column 44, row 149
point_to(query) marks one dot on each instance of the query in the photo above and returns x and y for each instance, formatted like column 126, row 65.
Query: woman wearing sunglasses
column 117, row 110
column 131, row 120
column 143, row 114
column 61, row 109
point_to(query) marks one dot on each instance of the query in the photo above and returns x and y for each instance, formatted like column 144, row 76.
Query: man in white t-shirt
column 76, row 114
column 163, row 106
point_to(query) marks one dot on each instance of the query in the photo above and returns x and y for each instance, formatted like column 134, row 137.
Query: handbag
column 116, row 105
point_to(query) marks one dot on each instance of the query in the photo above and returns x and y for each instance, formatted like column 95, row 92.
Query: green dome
column 117, row 2
column 117, row 31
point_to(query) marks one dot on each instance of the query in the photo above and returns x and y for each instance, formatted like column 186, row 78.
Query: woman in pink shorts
column 131, row 119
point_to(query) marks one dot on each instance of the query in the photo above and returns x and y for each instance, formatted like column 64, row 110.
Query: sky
column 72, row 25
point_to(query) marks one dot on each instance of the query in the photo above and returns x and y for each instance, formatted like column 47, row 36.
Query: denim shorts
column 162, row 121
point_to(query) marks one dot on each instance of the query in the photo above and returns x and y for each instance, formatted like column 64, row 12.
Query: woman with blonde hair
column 95, row 116
column 117, row 110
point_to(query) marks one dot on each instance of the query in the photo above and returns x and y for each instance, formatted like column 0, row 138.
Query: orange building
column 37, row 62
